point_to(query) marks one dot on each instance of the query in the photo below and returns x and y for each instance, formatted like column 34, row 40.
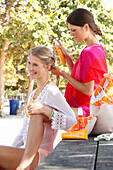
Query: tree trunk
column 2, row 59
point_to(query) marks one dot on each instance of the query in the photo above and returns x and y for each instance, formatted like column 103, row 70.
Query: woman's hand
column 59, row 72
column 35, row 108
column 66, row 55
column 69, row 60
column 56, row 71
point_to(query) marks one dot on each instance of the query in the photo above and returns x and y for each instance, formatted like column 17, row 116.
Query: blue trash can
column 14, row 105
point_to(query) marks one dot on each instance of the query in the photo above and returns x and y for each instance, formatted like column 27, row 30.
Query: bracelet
column 51, row 114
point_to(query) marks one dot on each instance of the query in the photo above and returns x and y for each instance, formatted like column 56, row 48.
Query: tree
column 5, row 43
column 29, row 23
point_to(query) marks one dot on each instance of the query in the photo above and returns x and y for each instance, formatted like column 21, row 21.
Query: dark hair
column 80, row 17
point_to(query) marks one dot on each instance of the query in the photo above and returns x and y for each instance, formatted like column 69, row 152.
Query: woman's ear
column 48, row 67
column 86, row 27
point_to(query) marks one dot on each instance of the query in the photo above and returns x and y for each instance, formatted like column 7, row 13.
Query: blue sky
column 108, row 3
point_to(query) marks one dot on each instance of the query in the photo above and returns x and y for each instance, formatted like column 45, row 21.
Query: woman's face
column 36, row 68
column 79, row 33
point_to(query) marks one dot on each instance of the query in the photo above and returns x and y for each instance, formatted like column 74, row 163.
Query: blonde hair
column 44, row 54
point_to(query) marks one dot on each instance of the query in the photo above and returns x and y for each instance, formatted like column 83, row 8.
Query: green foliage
column 38, row 22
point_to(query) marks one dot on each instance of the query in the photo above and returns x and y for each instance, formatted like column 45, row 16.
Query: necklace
column 40, row 90
column 32, row 100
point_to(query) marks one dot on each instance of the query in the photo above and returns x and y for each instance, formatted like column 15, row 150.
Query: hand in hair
column 56, row 71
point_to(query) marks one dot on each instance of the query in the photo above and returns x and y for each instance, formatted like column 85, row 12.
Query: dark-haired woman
column 89, row 68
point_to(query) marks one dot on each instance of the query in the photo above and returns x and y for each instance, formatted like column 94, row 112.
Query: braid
column 96, row 30
column 52, row 60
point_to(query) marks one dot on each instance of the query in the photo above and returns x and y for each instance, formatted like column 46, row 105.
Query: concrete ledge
column 80, row 155
column 71, row 154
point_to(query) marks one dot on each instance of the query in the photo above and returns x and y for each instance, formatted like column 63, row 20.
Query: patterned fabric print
column 104, row 91
column 59, row 121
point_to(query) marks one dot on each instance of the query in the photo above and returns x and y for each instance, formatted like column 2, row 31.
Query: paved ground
column 10, row 126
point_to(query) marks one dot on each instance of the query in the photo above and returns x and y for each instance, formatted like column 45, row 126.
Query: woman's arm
column 62, row 113
column 85, row 88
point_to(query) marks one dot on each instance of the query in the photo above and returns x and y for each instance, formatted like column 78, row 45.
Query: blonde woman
column 46, row 112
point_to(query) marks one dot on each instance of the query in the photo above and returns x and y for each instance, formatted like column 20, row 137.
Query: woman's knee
column 39, row 117
column 36, row 117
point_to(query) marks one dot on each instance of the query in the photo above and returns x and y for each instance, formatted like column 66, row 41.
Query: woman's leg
column 10, row 157
column 34, row 139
